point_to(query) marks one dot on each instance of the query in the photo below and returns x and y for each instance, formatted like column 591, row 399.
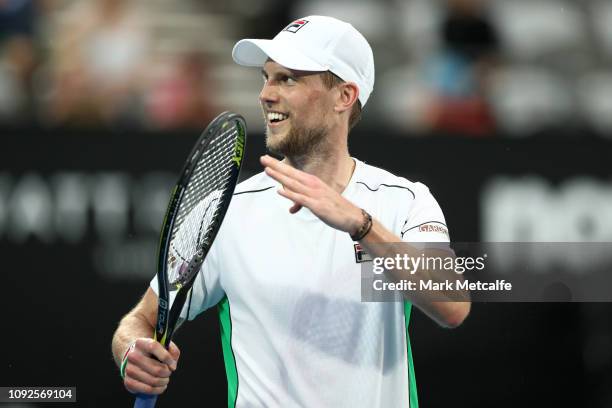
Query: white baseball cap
column 315, row 43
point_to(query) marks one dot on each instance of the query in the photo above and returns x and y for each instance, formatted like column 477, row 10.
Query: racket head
column 197, row 206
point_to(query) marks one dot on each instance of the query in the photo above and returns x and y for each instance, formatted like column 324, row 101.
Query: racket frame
column 168, row 315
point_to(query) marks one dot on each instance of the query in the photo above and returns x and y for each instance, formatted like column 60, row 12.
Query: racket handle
column 145, row 401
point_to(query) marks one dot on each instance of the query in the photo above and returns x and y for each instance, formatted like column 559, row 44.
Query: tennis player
column 284, row 270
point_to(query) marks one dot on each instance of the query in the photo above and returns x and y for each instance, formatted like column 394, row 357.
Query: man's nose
column 268, row 94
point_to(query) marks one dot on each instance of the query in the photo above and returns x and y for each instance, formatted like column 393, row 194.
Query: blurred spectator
column 459, row 75
column 180, row 95
column 18, row 58
column 133, row 62
column 97, row 62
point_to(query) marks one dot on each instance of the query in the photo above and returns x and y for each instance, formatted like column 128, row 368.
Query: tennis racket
column 196, row 209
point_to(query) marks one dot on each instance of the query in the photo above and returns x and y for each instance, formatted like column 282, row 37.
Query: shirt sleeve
column 206, row 291
column 424, row 221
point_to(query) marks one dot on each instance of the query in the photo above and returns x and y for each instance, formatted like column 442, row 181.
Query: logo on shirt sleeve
column 295, row 26
column 361, row 255
column 433, row 228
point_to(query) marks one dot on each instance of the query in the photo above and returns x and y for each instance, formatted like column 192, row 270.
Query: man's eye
column 288, row 80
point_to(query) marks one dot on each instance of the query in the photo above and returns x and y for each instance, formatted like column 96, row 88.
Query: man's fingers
column 283, row 168
column 136, row 373
column 299, row 200
column 295, row 208
column 174, row 351
column 136, row 387
column 160, row 353
column 149, row 367
column 285, row 180
column 149, row 364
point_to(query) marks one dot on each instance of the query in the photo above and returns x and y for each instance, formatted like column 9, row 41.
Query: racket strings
column 201, row 202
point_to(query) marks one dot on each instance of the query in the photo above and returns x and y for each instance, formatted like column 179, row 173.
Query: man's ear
column 348, row 95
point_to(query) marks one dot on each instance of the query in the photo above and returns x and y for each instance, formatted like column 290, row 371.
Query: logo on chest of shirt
column 361, row 255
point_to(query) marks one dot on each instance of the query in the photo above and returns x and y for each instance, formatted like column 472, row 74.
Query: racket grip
column 145, row 401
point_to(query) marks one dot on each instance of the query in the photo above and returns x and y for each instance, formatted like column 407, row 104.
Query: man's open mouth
column 276, row 117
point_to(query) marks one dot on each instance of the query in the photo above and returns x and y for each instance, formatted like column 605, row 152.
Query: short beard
column 299, row 142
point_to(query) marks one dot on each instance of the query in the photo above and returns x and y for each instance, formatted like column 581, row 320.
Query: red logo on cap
column 295, row 26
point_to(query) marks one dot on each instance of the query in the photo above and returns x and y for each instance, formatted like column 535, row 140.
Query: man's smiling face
column 297, row 107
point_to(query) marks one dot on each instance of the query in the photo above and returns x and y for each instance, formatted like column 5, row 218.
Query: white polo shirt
column 287, row 286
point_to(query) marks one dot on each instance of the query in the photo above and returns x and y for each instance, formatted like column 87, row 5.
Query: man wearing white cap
column 295, row 332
